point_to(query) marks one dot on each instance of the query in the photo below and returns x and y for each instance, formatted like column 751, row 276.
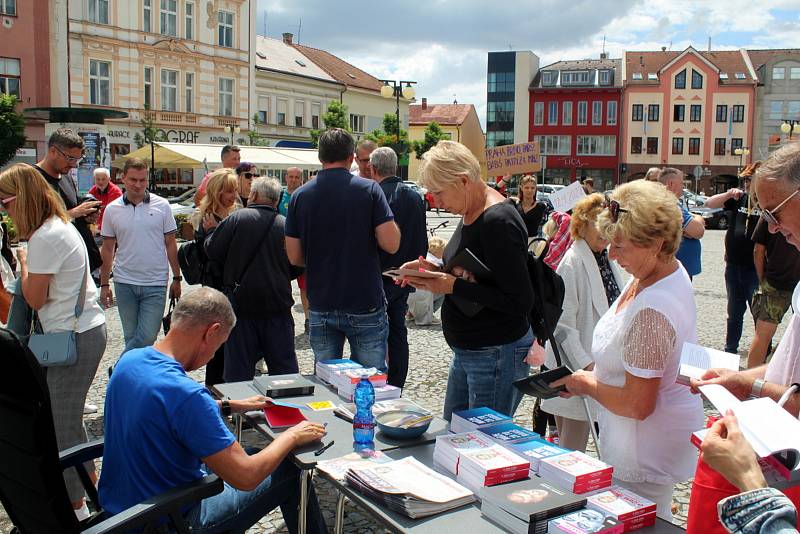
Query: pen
column 324, row 448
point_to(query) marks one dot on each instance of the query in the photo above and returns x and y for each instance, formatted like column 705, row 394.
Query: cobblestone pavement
column 430, row 357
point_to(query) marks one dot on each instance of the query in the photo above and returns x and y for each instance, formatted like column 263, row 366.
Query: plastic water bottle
column 364, row 421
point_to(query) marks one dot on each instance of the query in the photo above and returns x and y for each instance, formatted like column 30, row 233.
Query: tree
column 388, row 136
column 433, row 134
column 335, row 117
column 252, row 134
column 149, row 130
column 12, row 128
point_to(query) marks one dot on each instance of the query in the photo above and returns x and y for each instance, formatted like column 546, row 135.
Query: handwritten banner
column 513, row 159
column 565, row 199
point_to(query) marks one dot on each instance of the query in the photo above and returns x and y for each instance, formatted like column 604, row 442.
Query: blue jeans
column 485, row 376
column 236, row 510
column 761, row 511
column 365, row 332
column 141, row 309
column 740, row 283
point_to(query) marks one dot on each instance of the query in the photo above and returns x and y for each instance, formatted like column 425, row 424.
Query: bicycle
column 432, row 231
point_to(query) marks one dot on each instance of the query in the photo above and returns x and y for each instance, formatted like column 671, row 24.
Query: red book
column 282, row 416
column 640, row 522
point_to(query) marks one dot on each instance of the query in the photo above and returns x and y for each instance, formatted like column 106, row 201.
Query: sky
column 443, row 44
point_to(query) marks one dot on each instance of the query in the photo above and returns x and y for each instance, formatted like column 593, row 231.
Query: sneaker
column 89, row 409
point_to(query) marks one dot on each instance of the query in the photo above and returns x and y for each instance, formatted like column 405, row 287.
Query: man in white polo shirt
column 141, row 227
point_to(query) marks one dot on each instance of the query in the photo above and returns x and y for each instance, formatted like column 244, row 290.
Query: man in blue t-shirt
column 335, row 226
column 693, row 225
column 161, row 427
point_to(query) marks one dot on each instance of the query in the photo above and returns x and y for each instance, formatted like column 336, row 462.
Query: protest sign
column 566, row 198
column 521, row 158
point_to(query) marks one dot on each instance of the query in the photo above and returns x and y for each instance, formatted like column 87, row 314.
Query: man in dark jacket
column 409, row 214
column 257, row 279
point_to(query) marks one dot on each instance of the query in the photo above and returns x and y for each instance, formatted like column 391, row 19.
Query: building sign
column 565, row 198
column 26, row 153
column 96, row 147
column 513, row 159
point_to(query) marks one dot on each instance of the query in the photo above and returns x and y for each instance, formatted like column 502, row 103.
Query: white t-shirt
column 645, row 339
column 141, row 257
column 784, row 368
column 56, row 248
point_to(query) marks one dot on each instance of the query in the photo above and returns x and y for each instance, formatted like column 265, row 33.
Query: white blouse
column 784, row 368
column 645, row 339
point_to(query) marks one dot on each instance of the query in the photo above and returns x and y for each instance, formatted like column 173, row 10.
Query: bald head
column 294, row 179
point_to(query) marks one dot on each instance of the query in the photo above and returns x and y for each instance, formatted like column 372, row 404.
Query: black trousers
column 269, row 337
column 396, row 308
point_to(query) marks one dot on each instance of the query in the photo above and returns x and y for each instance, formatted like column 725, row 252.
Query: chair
column 32, row 488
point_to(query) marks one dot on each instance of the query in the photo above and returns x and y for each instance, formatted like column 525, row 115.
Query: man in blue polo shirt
column 161, row 427
column 693, row 225
column 335, row 226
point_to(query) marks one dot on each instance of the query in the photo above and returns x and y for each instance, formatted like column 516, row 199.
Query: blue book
column 509, row 433
column 536, row 449
column 476, row 418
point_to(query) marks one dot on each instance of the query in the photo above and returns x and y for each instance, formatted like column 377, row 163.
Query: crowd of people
column 335, row 235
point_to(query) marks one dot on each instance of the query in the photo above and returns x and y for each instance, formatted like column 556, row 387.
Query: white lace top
column 645, row 340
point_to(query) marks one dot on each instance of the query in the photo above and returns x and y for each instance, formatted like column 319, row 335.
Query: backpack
column 548, row 297
column 192, row 262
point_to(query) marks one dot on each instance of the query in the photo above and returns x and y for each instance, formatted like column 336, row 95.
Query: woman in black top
column 532, row 212
column 484, row 316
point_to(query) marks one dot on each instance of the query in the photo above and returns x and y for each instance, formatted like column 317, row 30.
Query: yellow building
column 459, row 121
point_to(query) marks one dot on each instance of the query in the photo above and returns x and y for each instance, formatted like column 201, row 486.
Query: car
column 421, row 191
column 693, row 200
column 713, row 217
column 430, row 202
column 549, row 188
column 183, row 196
column 183, row 204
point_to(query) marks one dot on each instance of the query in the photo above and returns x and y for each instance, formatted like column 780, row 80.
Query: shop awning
column 193, row 156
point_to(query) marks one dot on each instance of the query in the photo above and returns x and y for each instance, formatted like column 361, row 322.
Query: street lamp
column 394, row 89
column 742, row 152
column 232, row 130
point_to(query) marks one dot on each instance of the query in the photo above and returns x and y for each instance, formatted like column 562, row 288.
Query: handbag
column 166, row 322
column 58, row 349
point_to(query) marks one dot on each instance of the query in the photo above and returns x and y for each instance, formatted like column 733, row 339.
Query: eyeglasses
column 71, row 159
column 614, row 209
column 250, row 175
column 769, row 215
column 7, row 201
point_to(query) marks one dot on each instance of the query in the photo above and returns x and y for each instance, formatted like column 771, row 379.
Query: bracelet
column 755, row 390
column 177, row 278
column 226, row 407
column 105, row 285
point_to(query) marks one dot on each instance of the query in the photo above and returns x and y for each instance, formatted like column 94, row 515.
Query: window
column 611, row 113
column 697, row 80
column 99, row 82
column 188, row 21
column 652, row 112
column 188, row 88
column 597, row 113
column 596, row 145
column 605, row 77
column 695, row 113
column 736, row 142
column 500, row 112
column 315, row 111
column 280, row 117
column 501, row 82
column 637, row 75
column 778, row 73
column 637, row 112
column 575, row 78
column 652, row 76
column 694, row 146
column 263, row 109
column 8, row 7
column 680, row 80
column 169, row 17
column 147, row 15
column 677, row 145
column 552, row 113
column 740, row 76
column 722, row 113
column 357, row 123
column 98, row 11
column 9, row 76
column 226, row 96
column 549, row 78
column 566, row 114
column 719, row 146
column 299, row 113
column 794, row 109
column 737, row 113
column 148, row 87
column 723, row 75
column 776, row 109
column 678, row 111
column 225, row 29
column 794, row 73
column 652, row 145
column 583, row 110
column 538, row 113
column 169, row 90
column 636, row 145
column 554, row 145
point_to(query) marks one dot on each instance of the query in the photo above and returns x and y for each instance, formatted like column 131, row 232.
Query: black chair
column 32, row 488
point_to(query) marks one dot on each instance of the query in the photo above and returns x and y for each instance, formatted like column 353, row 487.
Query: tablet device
column 538, row 385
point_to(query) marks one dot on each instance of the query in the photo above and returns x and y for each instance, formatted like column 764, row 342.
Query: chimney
column 287, row 38
column 603, row 55
column 663, row 48
column 424, row 103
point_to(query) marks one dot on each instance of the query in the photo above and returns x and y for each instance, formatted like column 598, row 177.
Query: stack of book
column 409, row 487
column 345, row 381
column 292, row 385
column 477, row 461
column 631, row 510
column 535, row 450
column 576, row 471
column 326, row 368
column 347, row 411
column 525, row 507
column 468, row 420
column 338, row 467
column 585, row 522
column 506, row 433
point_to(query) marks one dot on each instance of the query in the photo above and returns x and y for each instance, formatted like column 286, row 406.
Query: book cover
column 493, row 460
column 536, row 449
column 585, row 521
column 620, row 503
column 532, row 500
column 639, row 522
column 291, row 385
column 509, row 433
column 478, row 417
column 576, row 465
column 282, row 416
column 470, row 262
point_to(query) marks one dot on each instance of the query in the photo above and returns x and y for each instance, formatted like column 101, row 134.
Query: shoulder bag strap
column 81, row 295
column 258, row 247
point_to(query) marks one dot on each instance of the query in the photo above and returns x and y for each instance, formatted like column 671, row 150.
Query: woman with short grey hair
column 265, row 189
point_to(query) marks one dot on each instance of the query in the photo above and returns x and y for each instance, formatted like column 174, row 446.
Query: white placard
column 565, row 199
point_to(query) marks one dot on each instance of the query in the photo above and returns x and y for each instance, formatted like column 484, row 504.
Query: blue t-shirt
column 159, row 423
column 689, row 251
column 335, row 216
column 283, row 202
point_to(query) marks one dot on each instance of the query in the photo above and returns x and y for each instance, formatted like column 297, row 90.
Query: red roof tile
column 339, row 69
column 729, row 62
column 762, row 57
column 445, row 114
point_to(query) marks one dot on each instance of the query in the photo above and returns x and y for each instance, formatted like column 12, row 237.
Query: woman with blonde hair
column 54, row 270
column 531, row 211
column 484, row 318
column 592, row 284
column 222, row 192
column 646, row 418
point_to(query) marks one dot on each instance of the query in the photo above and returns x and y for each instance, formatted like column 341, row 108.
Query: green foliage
column 335, row 117
column 433, row 134
column 253, row 136
column 388, row 136
column 149, row 130
column 12, row 128
column 12, row 230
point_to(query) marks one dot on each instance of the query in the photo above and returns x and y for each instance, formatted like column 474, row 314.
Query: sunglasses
column 769, row 215
column 614, row 209
column 71, row 159
column 250, row 175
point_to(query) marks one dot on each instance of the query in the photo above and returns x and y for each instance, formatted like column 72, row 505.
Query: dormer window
column 549, row 78
column 740, row 76
column 637, row 75
column 723, row 75
column 575, row 78
column 652, row 76
column 605, row 77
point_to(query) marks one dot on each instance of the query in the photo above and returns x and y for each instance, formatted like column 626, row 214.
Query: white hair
column 384, row 160
column 101, row 170
column 266, row 189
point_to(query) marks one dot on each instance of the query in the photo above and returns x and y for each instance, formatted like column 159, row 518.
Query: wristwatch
column 177, row 278
column 755, row 389
column 226, row 407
